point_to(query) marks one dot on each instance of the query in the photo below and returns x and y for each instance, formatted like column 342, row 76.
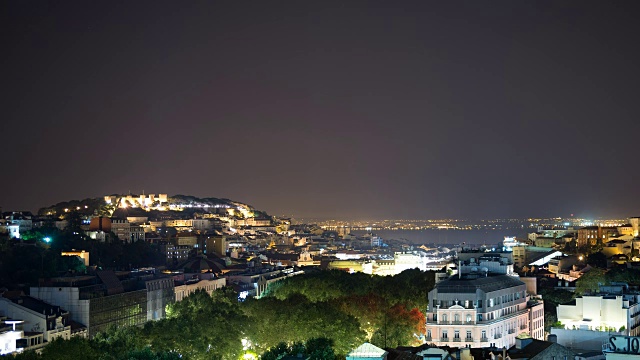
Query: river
column 448, row 237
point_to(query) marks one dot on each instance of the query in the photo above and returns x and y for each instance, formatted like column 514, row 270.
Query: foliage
column 314, row 349
column 554, row 297
column 200, row 327
column 61, row 349
column 118, row 340
column 318, row 315
column 389, row 310
column 590, row 281
column 410, row 287
column 400, row 327
column 296, row 319
column 622, row 274
column 550, row 320
column 598, row 260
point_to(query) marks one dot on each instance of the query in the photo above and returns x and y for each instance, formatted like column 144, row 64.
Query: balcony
column 484, row 339
column 444, row 322
column 470, row 323
column 523, row 327
column 497, row 336
column 456, row 323
column 469, row 339
column 428, row 338
column 512, row 331
column 444, row 339
column 455, row 339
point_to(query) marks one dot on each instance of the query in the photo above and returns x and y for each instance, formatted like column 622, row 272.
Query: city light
column 47, row 239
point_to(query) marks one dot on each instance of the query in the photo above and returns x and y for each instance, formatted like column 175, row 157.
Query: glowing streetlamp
column 47, row 239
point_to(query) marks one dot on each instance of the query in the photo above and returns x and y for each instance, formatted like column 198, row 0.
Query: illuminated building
column 12, row 230
column 99, row 302
column 10, row 335
column 635, row 226
column 50, row 321
column 121, row 228
column 83, row 255
column 613, row 307
column 482, row 308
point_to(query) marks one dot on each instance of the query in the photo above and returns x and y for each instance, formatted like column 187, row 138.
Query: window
column 468, row 334
column 479, row 303
column 484, row 334
column 444, row 334
column 444, row 317
column 456, row 317
column 468, row 317
column 429, row 334
column 456, row 334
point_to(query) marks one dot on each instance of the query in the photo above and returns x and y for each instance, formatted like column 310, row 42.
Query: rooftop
column 471, row 284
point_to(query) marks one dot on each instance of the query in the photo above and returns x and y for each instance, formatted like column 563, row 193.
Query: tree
column 400, row 327
column 119, row 341
column 313, row 349
column 60, row 349
column 591, row 281
column 276, row 352
column 598, row 260
column 296, row 319
column 200, row 327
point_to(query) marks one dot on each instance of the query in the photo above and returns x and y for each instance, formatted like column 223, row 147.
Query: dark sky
column 344, row 109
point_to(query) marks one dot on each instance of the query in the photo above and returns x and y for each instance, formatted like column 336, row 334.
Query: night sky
column 342, row 109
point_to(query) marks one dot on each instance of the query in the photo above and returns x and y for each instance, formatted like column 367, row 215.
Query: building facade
column 477, row 311
column 619, row 312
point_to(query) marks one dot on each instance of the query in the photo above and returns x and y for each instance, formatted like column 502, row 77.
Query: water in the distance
column 447, row 237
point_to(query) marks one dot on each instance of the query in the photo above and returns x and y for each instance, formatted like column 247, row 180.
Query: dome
column 200, row 264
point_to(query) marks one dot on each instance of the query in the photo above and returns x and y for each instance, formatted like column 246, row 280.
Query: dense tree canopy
column 318, row 320
column 591, row 281
column 390, row 310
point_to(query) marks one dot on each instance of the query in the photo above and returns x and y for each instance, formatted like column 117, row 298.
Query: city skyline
column 346, row 110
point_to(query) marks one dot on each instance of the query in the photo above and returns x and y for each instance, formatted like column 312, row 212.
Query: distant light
column 47, row 239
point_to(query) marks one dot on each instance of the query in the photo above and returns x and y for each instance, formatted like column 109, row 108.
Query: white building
column 209, row 285
column 121, row 228
column 38, row 316
column 10, row 335
column 620, row 312
column 7, row 227
column 479, row 308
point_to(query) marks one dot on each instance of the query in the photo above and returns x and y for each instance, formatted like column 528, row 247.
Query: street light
column 47, row 239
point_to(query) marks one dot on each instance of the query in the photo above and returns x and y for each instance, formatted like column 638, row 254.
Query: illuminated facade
column 635, row 226
column 481, row 311
column 618, row 311
column 99, row 302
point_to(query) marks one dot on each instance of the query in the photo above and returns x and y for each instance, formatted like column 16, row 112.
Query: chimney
column 522, row 343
